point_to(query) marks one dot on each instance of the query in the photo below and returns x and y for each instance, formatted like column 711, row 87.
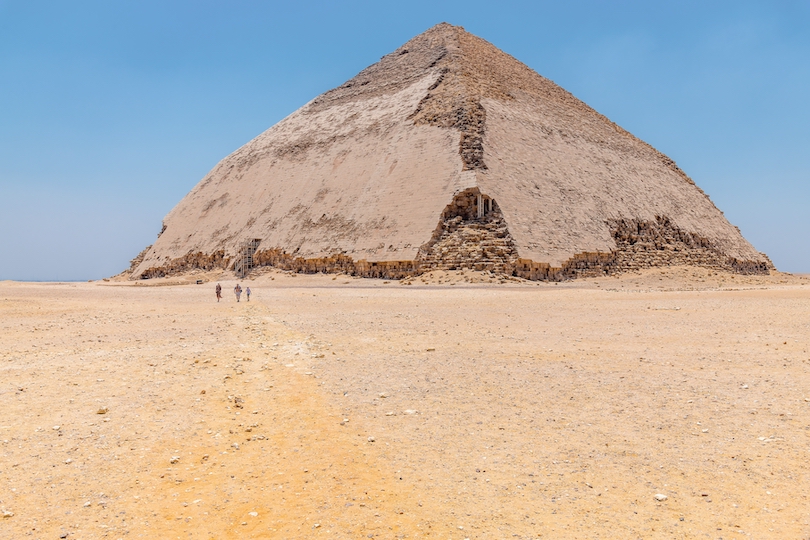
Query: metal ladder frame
column 244, row 263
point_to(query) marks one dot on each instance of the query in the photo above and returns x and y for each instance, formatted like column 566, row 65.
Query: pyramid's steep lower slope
column 447, row 153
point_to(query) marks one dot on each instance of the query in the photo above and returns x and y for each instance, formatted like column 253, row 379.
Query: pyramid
column 447, row 154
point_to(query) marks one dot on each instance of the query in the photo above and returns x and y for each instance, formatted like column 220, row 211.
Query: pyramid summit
column 447, row 153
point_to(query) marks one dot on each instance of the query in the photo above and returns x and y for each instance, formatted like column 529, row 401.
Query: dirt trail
column 146, row 356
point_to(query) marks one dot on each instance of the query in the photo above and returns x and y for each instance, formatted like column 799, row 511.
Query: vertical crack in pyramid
column 472, row 233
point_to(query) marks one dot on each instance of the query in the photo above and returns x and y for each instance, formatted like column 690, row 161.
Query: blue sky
column 111, row 111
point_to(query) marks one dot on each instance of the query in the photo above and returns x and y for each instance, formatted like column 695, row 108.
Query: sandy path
column 495, row 411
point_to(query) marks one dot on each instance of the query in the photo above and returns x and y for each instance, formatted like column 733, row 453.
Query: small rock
column 745, row 387
column 174, row 459
column 316, row 525
column 87, row 504
column 253, row 514
column 389, row 414
column 410, row 411
column 7, row 514
column 704, row 430
column 371, row 439
column 236, row 446
column 660, row 497
column 68, row 460
column 383, row 395
column 103, row 410
column 57, row 428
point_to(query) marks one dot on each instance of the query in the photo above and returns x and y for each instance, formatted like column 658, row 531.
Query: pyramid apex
column 444, row 25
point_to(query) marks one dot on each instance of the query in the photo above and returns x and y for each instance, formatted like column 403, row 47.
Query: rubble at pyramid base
column 484, row 244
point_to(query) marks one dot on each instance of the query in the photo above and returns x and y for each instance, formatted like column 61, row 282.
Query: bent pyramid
column 447, row 153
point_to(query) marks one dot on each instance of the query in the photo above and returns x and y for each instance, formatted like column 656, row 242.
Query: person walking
column 237, row 291
column 219, row 292
column 247, row 292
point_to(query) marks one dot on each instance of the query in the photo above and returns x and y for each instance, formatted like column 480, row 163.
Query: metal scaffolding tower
column 245, row 261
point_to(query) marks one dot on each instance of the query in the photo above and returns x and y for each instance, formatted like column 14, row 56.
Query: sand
column 457, row 406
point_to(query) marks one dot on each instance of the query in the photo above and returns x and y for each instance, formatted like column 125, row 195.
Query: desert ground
column 671, row 403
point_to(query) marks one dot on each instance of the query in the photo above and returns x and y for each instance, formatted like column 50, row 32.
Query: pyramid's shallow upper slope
column 368, row 169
